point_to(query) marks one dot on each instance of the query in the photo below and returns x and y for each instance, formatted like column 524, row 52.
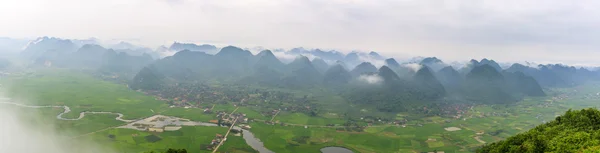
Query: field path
column 225, row 137
column 478, row 139
column 234, row 111
column 275, row 115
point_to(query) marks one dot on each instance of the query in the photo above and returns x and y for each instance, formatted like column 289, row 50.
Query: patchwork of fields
column 81, row 92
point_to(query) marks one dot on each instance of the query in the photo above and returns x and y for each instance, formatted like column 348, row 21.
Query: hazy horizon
column 508, row 31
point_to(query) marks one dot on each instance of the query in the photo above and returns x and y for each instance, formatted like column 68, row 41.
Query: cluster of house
column 228, row 119
column 592, row 96
column 560, row 97
column 158, row 123
column 216, row 141
column 455, row 110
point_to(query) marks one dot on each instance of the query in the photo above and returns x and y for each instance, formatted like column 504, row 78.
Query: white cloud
column 370, row 79
column 413, row 66
column 374, row 61
column 19, row 133
column 511, row 30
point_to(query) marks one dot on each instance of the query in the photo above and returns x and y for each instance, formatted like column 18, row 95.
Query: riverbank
column 155, row 121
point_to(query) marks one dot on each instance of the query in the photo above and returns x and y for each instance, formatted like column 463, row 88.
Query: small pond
column 335, row 150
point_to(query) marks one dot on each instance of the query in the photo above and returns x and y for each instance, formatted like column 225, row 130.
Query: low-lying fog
column 21, row 132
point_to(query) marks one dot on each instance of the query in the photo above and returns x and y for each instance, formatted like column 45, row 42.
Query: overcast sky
column 506, row 30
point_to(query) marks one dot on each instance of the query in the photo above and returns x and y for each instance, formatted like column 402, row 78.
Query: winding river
column 67, row 110
column 248, row 136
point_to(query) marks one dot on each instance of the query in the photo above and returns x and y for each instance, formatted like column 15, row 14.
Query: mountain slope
column 388, row 74
column 147, row 79
column 526, row 85
column 267, row 59
column 363, row 68
column 474, row 63
column 428, row 83
column 575, row 131
column 49, row 49
column 302, row 73
column 336, row 75
column 88, row 56
column 320, row 65
column 450, row 78
column 555, row 75
column 176, row 46
column 392, row 63
column 485, row 84
column 433, row 63
column 232, row 61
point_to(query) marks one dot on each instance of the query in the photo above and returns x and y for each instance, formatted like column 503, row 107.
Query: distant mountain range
column 65, row 53
column 390, row 85
column 482, row 81
column 12, row 45
column 176, row 46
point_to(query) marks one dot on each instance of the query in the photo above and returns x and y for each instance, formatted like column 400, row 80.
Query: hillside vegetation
column 575, row 131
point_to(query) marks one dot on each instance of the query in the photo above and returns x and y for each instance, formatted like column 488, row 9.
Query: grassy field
column 190, row 138
column 494, row 123
column 379, row 139
column 82, row 92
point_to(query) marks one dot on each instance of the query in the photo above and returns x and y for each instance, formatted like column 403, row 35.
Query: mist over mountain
column 426, row 79
column 388, row 74
column 474, row 63
column 266, row 59
column 299, row 76
column 336, row 75
column 376, row 55
column 89, row 41
column 423, row 79
column 327, row 55
column 88, row 55
column 342, row 63
column 352, row 59
column 392, row 63
column 450, row 78
column 524, row 84
column 49, row 47
column 364, row 68
column 12, row 45
column 485, row 82
column 320, row 65
column 123, row 46
column 406, row 70
column 210, row 49
column 556, row 75
column 302, row 73
column 433, row 63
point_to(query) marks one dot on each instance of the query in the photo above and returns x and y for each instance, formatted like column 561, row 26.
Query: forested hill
column 575, row 131
column 392, row 87
column 556, row 75
column 87, row 57
column 364, row 84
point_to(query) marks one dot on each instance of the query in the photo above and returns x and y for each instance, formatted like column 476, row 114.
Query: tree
column 575, row 131
column 170, row 150
column 176, row 151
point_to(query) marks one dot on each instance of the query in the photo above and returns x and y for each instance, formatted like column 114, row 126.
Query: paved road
column 225, row 137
